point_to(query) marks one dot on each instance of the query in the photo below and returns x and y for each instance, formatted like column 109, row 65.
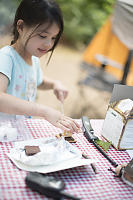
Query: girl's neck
column 22, row 52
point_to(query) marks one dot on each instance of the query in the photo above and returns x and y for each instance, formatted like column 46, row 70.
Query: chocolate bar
column 67, row 138
column 70, row 139
column 31, row 150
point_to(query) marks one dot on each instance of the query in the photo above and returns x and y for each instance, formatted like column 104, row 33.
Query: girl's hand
column 60, row 121
column 60, row 91
column 68, row 124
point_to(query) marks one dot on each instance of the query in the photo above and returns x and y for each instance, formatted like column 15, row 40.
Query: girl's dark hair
column 37, row 12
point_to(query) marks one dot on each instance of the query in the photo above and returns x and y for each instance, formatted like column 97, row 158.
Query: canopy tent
column 122, row 22
column 111, row 48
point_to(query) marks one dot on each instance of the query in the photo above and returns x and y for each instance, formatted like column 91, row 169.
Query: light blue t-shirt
column 23, row 78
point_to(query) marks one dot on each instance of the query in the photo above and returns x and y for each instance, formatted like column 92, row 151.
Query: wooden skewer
column 62, row 108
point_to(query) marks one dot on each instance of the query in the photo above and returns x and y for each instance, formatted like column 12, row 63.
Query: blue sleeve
column 6, row 65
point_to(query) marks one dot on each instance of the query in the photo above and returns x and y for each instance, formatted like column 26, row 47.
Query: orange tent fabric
column 106, row 43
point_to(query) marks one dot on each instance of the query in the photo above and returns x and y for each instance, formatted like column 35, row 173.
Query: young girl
column 37, row 28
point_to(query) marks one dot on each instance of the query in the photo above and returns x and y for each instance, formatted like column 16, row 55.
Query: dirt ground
column 82, row 99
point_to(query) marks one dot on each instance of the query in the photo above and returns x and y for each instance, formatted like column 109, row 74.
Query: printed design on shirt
column 23, row 95
column 20, row 76
column 30, row 89
column 17, row 87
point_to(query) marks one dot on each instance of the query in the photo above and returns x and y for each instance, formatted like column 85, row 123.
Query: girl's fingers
column 69, row 124
column 65, row 94
column 61, row 95
column 64, row 128
column 72, row 126
column 76, row 124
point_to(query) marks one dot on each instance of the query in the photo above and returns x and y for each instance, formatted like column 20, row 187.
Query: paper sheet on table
column 62, row 155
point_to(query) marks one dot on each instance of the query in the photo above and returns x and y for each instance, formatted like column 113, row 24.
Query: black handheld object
column 89, row 134
column 47, row 185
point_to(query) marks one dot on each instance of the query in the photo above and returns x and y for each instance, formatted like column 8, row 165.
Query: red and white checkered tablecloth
column 80, row 181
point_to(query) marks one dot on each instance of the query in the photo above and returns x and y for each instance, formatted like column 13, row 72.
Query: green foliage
column 6, row 12
column 103, row 144
column 83, row 18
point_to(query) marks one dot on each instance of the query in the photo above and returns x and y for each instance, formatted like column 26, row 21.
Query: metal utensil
column 89, row 134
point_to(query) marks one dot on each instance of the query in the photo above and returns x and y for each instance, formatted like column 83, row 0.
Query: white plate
column 71, row 161
column 53, row 168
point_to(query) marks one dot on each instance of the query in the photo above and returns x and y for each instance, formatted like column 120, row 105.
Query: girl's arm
column 13, row 105
column 59, row 90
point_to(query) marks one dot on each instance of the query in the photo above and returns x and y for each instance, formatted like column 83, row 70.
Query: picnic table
column 80, row 181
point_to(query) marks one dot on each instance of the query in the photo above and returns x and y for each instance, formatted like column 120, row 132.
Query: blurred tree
column 7, row 12
column 83, row 18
